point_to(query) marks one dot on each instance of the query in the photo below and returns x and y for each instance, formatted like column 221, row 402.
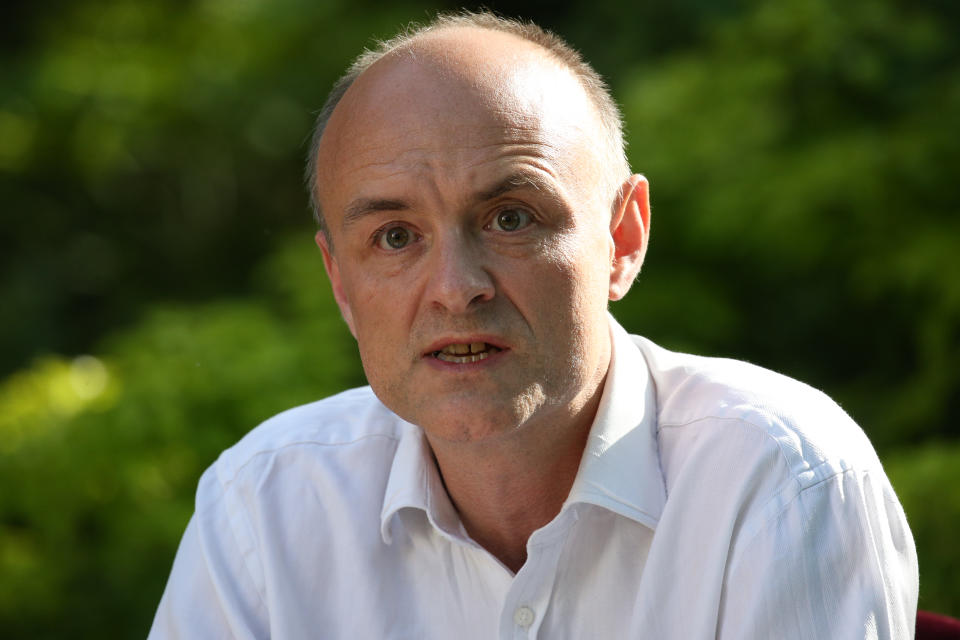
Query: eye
column 394, row 238
column 510, row 220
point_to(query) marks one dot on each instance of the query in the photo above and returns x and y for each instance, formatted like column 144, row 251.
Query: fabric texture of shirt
column 714, row 499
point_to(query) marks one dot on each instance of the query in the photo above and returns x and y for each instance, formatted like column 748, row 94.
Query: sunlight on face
column 473, row 253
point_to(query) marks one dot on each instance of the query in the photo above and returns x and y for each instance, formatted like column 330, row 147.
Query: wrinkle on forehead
column 375, row 156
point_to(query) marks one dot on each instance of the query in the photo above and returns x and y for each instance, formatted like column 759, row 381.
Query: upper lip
column 438, row 345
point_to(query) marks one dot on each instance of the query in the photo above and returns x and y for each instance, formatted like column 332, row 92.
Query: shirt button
column 523, row 616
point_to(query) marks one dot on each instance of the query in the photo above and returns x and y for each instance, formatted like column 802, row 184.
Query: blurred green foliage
column 802, row 157
column 104, row 453
column 803, row 166
column 927, row 479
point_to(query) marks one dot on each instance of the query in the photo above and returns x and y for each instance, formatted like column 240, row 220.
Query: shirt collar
column 620, row 467
column 415, row 483
column 619, row 470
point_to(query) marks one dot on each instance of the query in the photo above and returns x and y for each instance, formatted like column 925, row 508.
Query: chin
column 456, row 427
column 470, row 415
column 490, row 427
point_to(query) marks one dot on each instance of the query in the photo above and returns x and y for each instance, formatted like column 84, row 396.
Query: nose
column 458, row 277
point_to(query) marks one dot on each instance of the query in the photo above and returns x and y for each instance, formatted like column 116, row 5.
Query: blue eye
column 510, row 220
column 394, row 238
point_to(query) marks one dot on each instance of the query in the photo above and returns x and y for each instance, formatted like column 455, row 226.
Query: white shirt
column 714, row 499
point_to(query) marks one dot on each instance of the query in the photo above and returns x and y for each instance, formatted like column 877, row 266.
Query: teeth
column 462, row 353
column 462, row 349
column 457, row 349
column 473, row 357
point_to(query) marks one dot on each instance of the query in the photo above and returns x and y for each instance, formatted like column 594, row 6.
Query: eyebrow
column 362, row 207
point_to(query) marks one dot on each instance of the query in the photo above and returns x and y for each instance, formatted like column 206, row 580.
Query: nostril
column 481, row 297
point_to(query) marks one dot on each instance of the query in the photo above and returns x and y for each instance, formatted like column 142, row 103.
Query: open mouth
column 463, row 353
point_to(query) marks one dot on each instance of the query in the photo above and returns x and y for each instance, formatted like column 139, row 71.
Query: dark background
column 160, row 293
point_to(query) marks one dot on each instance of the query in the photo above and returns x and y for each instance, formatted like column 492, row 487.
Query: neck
column 507, row 489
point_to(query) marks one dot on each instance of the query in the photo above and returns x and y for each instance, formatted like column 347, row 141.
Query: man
column 520, row 466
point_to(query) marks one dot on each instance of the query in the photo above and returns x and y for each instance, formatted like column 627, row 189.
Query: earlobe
column 333, row 273
column 630, row 229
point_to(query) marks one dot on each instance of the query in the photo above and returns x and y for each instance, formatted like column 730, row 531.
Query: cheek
column 372, row 294
column 383, row 310
column 369, row 306
column 578, row 268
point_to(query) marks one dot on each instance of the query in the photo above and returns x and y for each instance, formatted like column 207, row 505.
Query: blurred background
column 160, row 293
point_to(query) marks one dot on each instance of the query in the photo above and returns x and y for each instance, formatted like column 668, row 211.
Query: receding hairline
column 555, row 48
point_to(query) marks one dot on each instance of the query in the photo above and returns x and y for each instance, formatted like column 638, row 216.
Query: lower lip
column 465, row 367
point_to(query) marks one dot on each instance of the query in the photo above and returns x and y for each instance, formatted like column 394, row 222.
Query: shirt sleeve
column 837, row 561
column 211, row 592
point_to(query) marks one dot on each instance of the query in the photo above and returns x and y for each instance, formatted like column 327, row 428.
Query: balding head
column 493, row 58
column 463, row 87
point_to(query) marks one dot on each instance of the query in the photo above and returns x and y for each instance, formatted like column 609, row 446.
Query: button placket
column 529, row 596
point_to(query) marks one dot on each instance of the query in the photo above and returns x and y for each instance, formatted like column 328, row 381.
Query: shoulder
column 764, row 422
column 304, row 482
column 314, row 439
column 774, row 497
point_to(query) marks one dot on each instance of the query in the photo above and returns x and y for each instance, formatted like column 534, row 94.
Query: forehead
column 467, row 96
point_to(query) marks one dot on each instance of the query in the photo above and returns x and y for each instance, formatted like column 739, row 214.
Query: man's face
column 471, row 247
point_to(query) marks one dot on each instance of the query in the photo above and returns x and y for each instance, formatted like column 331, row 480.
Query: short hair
column 591, row 81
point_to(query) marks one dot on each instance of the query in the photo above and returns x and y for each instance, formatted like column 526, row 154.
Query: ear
column 630, row 229
column 333, row 272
